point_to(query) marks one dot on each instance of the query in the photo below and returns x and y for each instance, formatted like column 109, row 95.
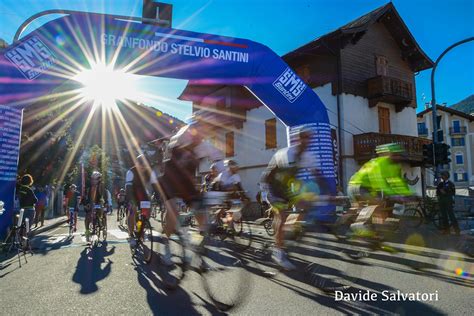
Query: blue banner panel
column 10, row 131
column 60, row 49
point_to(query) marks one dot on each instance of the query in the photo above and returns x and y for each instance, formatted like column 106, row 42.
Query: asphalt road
column 63, row 277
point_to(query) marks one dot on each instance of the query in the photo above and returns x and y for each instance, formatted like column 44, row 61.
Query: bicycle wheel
column 104, row 227
column 223, row 273
column 123, row 217
column 163, row 220
column 268, row 225
column 411, row 218
column 243, row 235
column 146, row 241
column 173, row 274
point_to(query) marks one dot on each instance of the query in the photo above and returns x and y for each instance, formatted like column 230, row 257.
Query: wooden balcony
column 364, row 146
column 461, row 130
column 390, row 90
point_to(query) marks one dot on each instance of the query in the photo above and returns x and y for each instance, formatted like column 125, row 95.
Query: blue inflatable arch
column 50, row 55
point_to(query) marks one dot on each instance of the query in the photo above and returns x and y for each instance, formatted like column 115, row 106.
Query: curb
column 49, row 227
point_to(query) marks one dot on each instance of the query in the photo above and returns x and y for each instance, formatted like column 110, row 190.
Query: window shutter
column 229, row 144
column 270, row 134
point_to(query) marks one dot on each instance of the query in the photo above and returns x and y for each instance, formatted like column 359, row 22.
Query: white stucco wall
column 467, row 150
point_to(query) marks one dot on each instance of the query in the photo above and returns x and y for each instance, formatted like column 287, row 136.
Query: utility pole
column 433, row 103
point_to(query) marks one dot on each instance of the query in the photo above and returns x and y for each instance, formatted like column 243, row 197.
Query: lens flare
column 105, row 85
column 460, row 272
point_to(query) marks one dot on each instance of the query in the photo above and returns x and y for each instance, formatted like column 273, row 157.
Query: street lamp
column 433, row 101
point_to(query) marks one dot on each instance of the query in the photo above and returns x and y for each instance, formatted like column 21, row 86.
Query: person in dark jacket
column 445, row 192
column 27, row 198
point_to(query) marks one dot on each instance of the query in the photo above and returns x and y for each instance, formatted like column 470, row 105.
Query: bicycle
column 426, row 210
column 268, row 222
column 218, row 254
column 144, row 234
column 299, row 232
column 72, row 220
column 122, row 215
column 99, row 225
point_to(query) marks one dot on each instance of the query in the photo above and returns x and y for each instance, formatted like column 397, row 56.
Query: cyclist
column 121, row 197
column 381, row 177
column 95, row 197
column 140, row 181
column 27, row 198
column 285, row 190
column 379, row 182
column 229, row 181
column 207, row 184
column 73, row 198
column 184, row 152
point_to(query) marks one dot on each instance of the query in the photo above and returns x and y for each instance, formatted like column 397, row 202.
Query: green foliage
column 96, row 159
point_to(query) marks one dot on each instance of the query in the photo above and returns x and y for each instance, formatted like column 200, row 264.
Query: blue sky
column 284, row 25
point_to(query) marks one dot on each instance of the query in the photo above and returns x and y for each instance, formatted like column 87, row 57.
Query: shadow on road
column 89, row 268
column 43, row 244
column 162, row 301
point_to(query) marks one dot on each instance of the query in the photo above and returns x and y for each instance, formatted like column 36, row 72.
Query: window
column 422, row 130
column 229, row 144
column 458, row 141
column 304, row 73
column 270, row 134
column 381, row 64
column 456, row 126
column 384, row 120
column 461, row 176
column 459, row 159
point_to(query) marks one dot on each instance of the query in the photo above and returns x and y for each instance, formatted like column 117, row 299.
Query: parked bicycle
column 426, row 210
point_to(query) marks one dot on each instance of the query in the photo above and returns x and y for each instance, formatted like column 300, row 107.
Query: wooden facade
column 365, row 144
column 350, row 58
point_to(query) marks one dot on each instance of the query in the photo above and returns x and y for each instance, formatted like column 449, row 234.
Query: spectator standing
column 445, row 192
column 27, row 198
column 40, row 205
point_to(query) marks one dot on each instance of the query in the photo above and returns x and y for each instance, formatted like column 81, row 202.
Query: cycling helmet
column 231, row 163
column 96, row 176
column 389, row 148
column 27, row 180
column 142, row 160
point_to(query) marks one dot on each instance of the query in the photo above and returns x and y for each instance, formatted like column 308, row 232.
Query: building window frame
column 270, row 134
column 456, row 126
column 460, row 177
column 229, row 144
column 384, row 120
column 459, row 158
column 458, row 142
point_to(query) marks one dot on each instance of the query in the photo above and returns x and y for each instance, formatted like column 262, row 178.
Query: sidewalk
column 48, row 225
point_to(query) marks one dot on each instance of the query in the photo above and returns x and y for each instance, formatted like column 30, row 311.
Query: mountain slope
column 466, row 105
